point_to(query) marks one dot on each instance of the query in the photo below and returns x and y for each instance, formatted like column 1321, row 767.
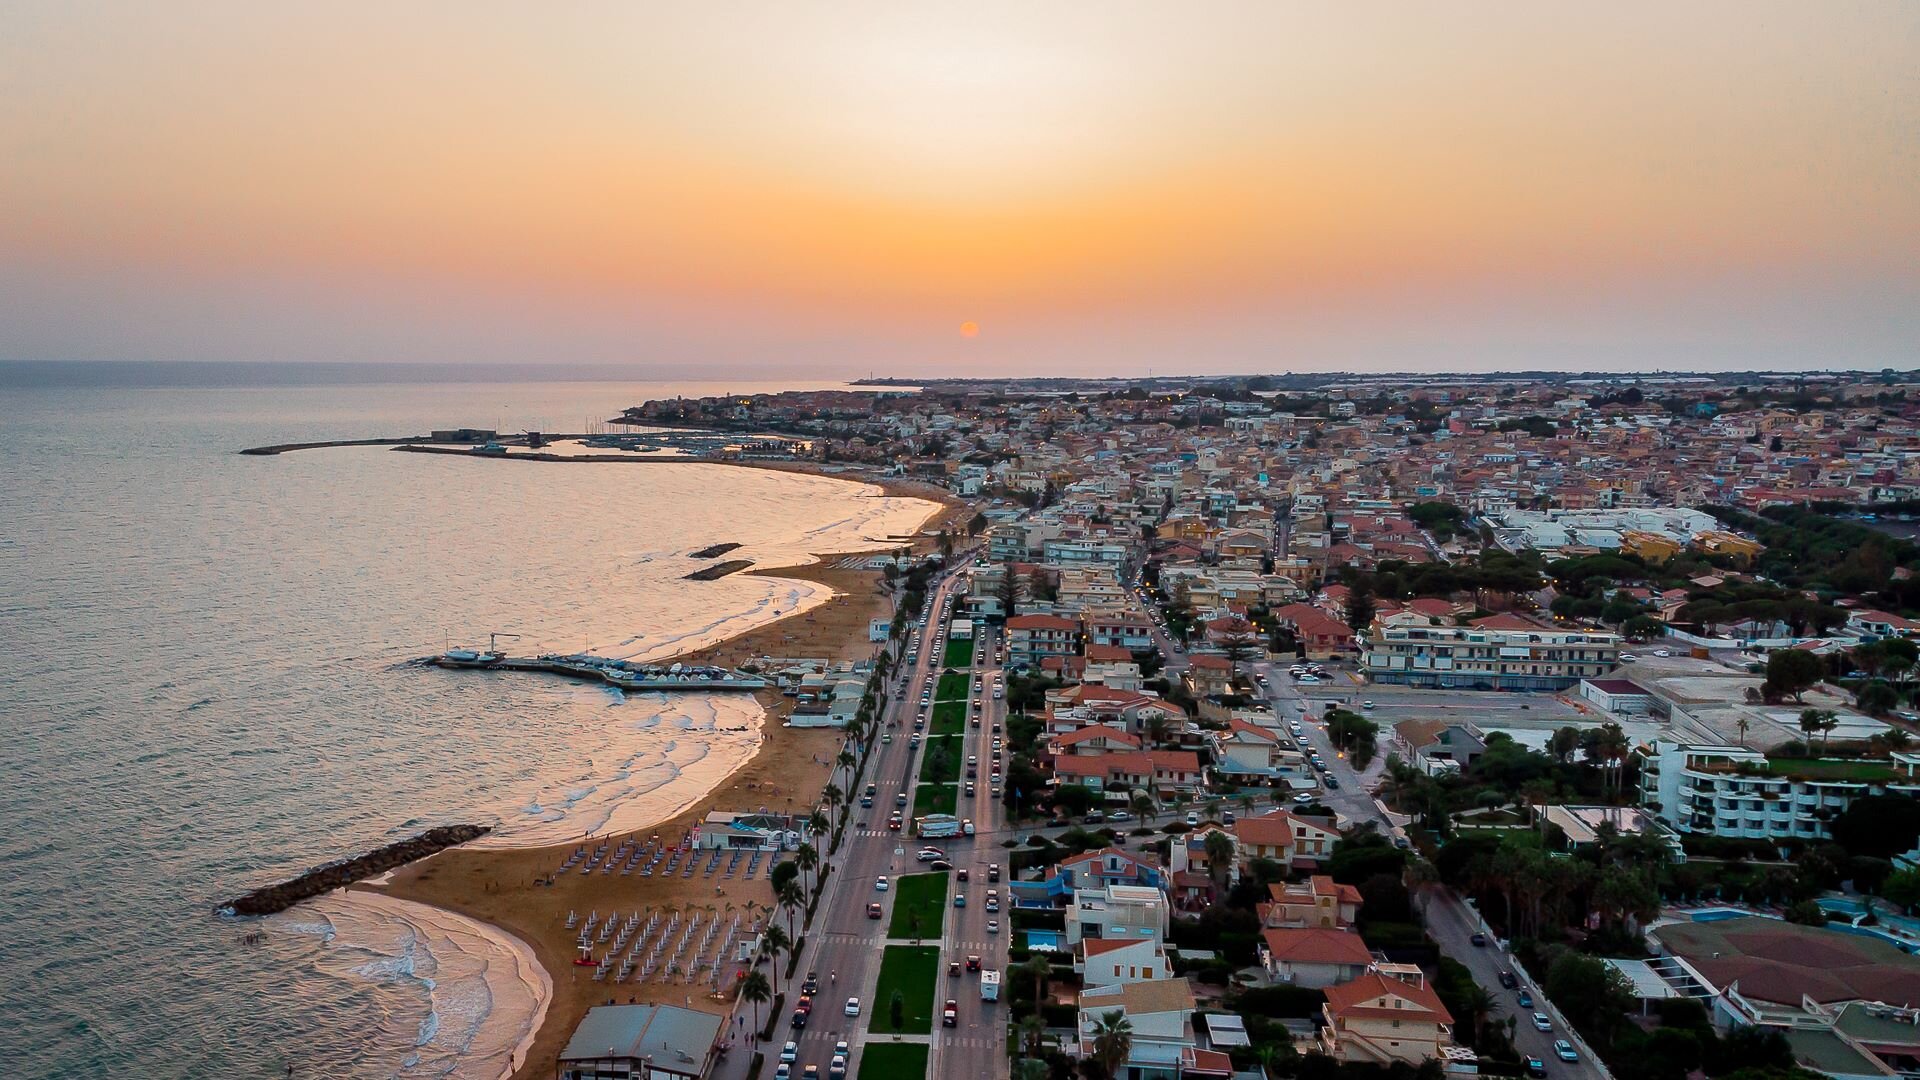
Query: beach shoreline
column 504, row 887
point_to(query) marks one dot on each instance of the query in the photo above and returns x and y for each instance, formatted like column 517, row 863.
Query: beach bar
column 635, row 1042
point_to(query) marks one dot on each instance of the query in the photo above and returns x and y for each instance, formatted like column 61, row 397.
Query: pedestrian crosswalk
column 975, row 946
column 982, row 1041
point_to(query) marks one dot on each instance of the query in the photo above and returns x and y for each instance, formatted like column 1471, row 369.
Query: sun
column 969, row 329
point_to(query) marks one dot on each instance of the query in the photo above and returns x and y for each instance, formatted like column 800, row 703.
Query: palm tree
column 755, row 989
column 833, row 795
column 1032, row 1028
column 808, row 860
column 1143, row 806
column 1039, row 969
column 1744, row 724
column 1220, row 852
column 773, row 942
column 1112, row 1042
column 791, row 900
column 847, row 761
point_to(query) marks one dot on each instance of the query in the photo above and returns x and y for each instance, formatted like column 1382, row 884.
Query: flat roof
column 677, row 1038
column 1782, row 962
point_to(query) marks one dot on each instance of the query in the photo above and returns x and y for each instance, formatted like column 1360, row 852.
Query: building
column 641, row 1042
column 1382, row 1020
column 1313, row 957
column 1087, row 870
column 1209, row 676
column 1499, row 652
column 1318, row 901
column 1109, row 961
column 1436, row 746
column 1621, row 697
column 750, row 831
column 1248, row 750
column 1031, row 638
column 1584, row 825
column 1717, row 790
column 1160, row 1014
column 1130, row 912
column 1285, row 838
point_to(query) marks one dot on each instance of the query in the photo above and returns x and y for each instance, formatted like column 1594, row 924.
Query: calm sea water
column 203, row 687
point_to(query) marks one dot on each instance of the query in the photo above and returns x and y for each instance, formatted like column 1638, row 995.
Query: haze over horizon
column 964, row 190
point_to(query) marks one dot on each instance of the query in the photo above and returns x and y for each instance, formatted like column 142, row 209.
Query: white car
column 1193, row 818
column 1368, row 704
column 790, row 1052
column 1309, row 679
column 993, row 926
column 1541, row 1023
column 880, row 883
column 930, row 854
column 1628, row 658
column 853, row 1006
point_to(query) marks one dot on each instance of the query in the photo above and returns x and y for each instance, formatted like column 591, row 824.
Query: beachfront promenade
column 845, row 947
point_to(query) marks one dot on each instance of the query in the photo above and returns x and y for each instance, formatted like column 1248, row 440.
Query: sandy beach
column 503, row 887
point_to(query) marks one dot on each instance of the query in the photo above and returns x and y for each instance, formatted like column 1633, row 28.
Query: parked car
column 1526, row 999
column 1536, row 1068
column 1193, row 819
column 1478, row 939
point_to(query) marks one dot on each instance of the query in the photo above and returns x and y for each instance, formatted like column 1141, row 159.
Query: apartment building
column 1500, row 652
column 1032, row 638
column 1382, row 1019
column 1717, row 790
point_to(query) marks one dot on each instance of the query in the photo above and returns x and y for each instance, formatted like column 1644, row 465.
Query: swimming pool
column 1046, row 940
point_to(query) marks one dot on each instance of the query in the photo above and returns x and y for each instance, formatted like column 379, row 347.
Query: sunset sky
column 829, row 188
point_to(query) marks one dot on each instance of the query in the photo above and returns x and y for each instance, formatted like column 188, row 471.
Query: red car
column 873, row 911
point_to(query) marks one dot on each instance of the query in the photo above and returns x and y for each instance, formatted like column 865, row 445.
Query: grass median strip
column 909, row 971
column 893, row 1061
column 960, row 652
column 951, row 687
column 935, row 799
column 940, row 759
column 919, row 906
column 949, row 718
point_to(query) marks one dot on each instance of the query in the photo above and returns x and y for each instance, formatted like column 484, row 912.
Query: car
column 939, row 864
column 811, row 1072
column 841, row 1049
column 894, row 824
column 810, row 985
column 928, row 854
column 853, row 1006
column 1541, row 1023
column 837, row 1068
column 1478, row 939
column 1564, row 1050
column 799, row 1019
column 805, row 1004
column 1333, row 783
column 874, row 911
column 993, row 900
column 1367, row 704
column 960, row 899
column 1094, row 817
column 994, row 778
column 783, row 1071
column 1226, row 817
column 1302, row 799
column 1119, row 815
column 790, row 1052
column 914, row 741
column 880, row 883
column 993, row 926
column 1193, row 819
column 866, row 800
column 953, row 969
column 970, row 789
column 1507, row 980
column 993, row 871
column 1627, row 658
column 900, row 800
column 973, row 963
column 1307, row 679
column 950, row 1015
column 886, row 737
column 1526, row 1000
column 1536, row 1068
column 961, row 874
column 1656, row 652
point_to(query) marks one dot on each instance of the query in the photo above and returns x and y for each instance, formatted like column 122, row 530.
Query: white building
column 1718, row 790
column 1134, row 912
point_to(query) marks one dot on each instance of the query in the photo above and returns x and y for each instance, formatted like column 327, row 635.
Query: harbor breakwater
column 324, row 879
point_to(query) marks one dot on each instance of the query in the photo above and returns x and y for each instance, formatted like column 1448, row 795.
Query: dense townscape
column 1387, row 727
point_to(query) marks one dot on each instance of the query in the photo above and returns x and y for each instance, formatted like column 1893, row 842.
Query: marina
column 623, row 674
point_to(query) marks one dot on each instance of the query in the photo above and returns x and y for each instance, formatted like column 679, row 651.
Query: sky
column 924, row 189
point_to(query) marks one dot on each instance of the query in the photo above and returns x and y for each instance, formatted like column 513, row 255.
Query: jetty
column 719, row 570
column 324, row 879
column 621, row 673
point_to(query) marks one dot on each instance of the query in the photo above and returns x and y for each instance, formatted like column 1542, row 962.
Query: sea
column 206, row 685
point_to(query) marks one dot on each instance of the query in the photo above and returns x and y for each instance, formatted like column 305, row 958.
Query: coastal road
column 844, row 946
